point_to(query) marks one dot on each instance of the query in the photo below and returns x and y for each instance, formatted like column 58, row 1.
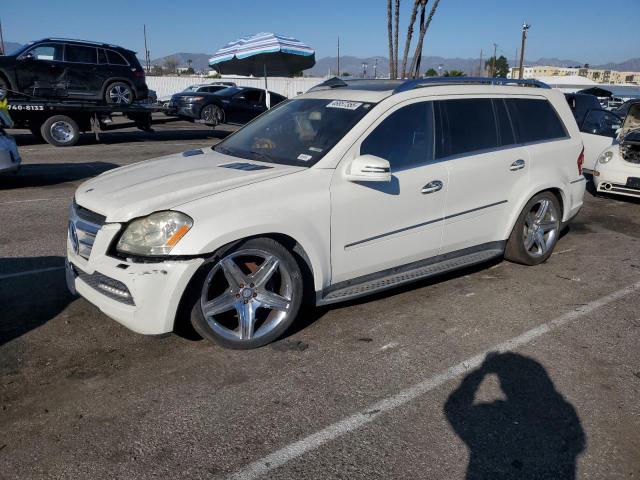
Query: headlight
column 193, row 99
column 156, row 234
column 605, row 157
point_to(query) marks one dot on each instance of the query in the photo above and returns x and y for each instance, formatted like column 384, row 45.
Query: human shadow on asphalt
column 534, row 433
column 46, row 174
column 29, row 300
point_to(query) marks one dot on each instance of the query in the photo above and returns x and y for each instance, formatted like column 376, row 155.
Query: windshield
column 192, row 88
column 297, row 132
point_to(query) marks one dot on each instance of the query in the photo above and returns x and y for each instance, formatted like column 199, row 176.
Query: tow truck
column 60, row 122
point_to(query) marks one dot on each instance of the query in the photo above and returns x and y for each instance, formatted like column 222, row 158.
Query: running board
column 395, row 277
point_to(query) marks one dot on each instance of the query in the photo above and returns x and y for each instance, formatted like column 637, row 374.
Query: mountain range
column 353, row 65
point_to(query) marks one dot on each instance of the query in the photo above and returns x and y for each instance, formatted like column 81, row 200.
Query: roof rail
column 89, row 42
column 439, row 81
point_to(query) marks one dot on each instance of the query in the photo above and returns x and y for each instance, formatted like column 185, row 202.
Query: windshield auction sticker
column 345, row 104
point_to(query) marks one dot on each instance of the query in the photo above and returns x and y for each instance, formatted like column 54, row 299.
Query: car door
column 40, row 70
column 487, row 169
column 83, row 73
column 598, row 129
column 378, row 226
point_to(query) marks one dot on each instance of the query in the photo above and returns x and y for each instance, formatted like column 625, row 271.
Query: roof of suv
column 83, row 42
column 377, row 90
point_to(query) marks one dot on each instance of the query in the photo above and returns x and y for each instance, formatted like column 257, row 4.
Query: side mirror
column 27, row 56
column 369, row 168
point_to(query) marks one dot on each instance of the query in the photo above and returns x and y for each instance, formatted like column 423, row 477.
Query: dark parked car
column 581, row 104
column 228, row 105
column 623, row 109
column 75, row 69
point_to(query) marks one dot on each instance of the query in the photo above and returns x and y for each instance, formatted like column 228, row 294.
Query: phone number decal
column 33, row 108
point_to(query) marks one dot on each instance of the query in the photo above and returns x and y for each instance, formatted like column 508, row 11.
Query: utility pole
column 493, row 60
column 147, row 60
column 480, row 67
column 2, row 52
column 338, row 56
column 515, row 62
column 375, row 69
column 525, row 28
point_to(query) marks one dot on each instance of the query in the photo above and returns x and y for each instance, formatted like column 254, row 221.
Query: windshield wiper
column 261, row 156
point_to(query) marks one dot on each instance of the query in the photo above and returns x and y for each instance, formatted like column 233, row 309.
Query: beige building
column 595, row 74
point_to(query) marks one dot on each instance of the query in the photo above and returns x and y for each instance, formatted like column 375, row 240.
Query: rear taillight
column 580, row 161
column 138, row 73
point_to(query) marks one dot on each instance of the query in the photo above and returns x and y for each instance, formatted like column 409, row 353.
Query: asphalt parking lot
column 395, row 386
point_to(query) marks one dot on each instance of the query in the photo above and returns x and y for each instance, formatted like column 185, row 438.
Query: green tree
column 454, row 73
column 497, row 67
column 431, row 73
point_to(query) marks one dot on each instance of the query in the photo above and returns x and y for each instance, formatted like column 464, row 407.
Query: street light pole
column 493, row 60
column 525, row 28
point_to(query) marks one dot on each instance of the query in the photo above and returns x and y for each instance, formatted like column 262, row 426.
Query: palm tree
column 424, row 25
column 390, row 35
column 395, row 40
column 407, row 43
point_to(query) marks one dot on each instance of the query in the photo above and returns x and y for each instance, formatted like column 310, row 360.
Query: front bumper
column 613, row 179
column 154, row 289
column 187, row 110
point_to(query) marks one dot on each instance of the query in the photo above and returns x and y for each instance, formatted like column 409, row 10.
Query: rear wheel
column 119, row 93
column 61, row 131
column 212, row 115
column 249, row 296
column 536, row 232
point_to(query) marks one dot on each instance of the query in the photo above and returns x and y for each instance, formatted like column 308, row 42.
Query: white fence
column 289, row 87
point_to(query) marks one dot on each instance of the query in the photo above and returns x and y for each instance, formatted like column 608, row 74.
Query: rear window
column 467, row 125
column 115, row 58
column 535, row 120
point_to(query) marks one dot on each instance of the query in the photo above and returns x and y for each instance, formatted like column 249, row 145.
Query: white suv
column 349, row 189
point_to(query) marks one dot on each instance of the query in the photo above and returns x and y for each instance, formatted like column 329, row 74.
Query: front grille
column 108, row 286
column 84, row 225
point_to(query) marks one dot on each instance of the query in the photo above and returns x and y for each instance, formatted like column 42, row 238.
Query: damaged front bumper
column 143, row 297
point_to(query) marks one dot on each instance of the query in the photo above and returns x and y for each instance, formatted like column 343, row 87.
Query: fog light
column 113, row 290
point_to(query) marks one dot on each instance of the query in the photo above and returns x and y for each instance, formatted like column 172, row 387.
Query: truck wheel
column 60, row 131
column 248, row 296
column 212, row 115
column 119, row 93
column 536, row 231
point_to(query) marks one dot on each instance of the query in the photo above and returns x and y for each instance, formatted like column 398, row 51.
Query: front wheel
column 119, row 93
column 536, row 232
column 249, row 296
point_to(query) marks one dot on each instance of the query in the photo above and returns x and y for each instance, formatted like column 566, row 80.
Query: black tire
column 119, row 93
column 519, row 247
column 212, row 115
column 60, row 131
column 200, row 287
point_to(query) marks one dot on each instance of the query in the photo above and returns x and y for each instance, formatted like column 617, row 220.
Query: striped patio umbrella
column 263, row 54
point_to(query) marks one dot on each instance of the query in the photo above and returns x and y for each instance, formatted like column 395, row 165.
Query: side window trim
column 46, row 43
column 514, row 133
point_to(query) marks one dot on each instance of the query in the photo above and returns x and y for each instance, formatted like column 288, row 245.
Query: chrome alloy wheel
column 211, row 115
column 120, row 93
column 247, row 294
column 62, row 131
column 541, row 226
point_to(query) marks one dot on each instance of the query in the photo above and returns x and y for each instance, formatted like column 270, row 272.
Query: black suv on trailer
column 74, row 69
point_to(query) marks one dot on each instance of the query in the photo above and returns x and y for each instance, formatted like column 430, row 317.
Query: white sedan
column 618, row 167
column 9, row 156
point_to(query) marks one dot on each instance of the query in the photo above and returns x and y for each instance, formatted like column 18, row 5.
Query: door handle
column 432, row 187
column 517, row 165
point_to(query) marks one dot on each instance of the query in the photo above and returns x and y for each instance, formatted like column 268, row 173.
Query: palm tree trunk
column 390, row 35
column 423, row 30
column 395, row 39
column 407, row 42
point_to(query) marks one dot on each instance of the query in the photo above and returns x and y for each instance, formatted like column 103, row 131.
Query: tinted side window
column 505, row 128
column 79, row 54
column 115, row 58
column 535, row 120
column 253, row 96
column 102, row 57
column 467, row 125
column 404, row 138
column 47, row 51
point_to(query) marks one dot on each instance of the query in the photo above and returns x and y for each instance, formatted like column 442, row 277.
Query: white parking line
column 29, row 272
column 357, row 420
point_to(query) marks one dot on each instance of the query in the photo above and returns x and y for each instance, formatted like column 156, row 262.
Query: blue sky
column 582, row 30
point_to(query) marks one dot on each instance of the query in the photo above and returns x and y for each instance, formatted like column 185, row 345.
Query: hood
column 632, row 120
column 167, row 182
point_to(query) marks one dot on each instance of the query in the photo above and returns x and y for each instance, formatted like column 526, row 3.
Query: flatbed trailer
column 60, row 122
